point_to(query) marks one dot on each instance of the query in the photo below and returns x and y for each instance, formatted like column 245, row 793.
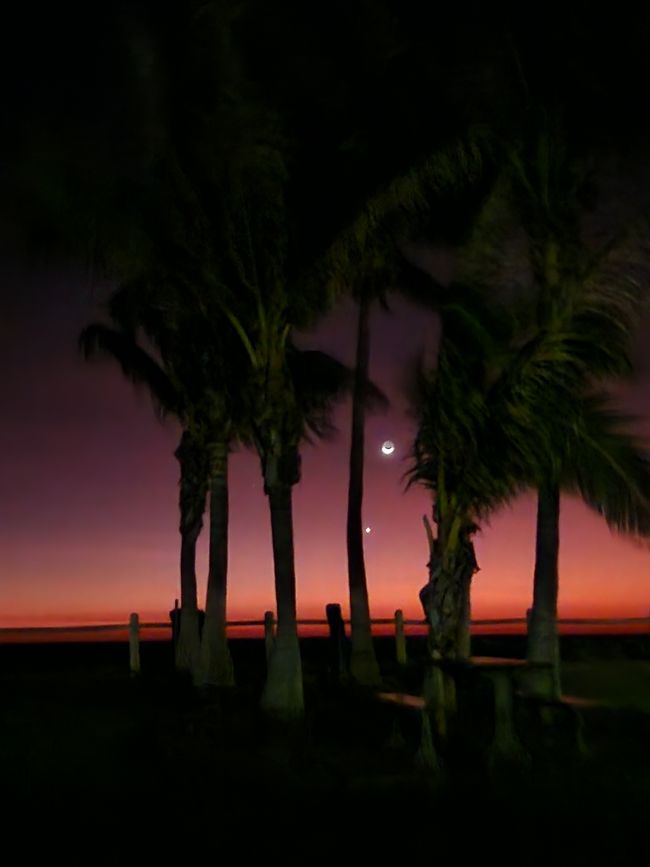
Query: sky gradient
column 88, row 517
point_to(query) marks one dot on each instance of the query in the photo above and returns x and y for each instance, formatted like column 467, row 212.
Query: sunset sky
column 88, row 512
column 88, row 518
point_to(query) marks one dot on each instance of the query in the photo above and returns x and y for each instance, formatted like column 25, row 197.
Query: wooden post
column 337, row 654
column 175, row 618
column 400, row 638
column 269, row 632
column 134, row 644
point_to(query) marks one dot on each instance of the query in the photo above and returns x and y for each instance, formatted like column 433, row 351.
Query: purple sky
column 88, row 519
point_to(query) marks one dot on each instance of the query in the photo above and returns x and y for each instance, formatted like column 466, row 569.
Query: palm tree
column 489, row 418
column 583, row 298
column 290, row 393
column 607, row 467
column 468, row 454
column 200, row 138
column 364, row 259
column 143, row 369
column 364, row 667
column 196, row 380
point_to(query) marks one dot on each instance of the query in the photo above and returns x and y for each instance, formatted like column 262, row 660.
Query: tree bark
column 543, row 643
column 188, row 647
column 442, row 600
column 193, row 471
column 446, row 601
column 216, row 662
column 283, row 692
column 363, row 661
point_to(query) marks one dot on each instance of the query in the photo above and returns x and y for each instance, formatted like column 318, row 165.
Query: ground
column 146, row 767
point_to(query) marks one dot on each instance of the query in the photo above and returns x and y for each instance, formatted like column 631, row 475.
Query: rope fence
column 335, row 623
column 376, row 621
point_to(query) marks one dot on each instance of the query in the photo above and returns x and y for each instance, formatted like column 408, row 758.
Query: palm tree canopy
column 142, row 369
column 365, row 255
column 580, row 294
column 494, row 421
column 462, row 451
column 572, row 303
column 608, row 466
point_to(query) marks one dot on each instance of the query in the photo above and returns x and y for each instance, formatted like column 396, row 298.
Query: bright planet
column 388, row 447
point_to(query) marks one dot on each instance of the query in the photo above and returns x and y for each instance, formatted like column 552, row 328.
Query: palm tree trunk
column 446, row 598
column 283, row 691
column 216, row 662
column 188, row 647
column 543, row 644
column 444, row 606
column 363, row 662
column 193, row 471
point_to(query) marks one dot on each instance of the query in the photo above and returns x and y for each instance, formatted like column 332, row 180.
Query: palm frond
column 609, row 466
column 319, row 381
column 366, row 252
column 136, row 364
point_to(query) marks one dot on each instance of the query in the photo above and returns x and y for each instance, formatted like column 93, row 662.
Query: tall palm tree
column 583, row 297
column 607, row 467
column 143, row 369
column 202, row 130
column 290, row 393
column 364, row 259
column 489, row 417
column 195, row 378
column 465, row 455
column 364, row 667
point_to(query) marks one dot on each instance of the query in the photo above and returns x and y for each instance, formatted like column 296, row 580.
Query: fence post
column 175, row 617
column 134, row 644
column 400, row 638
column 337, row 645
column 269, row 632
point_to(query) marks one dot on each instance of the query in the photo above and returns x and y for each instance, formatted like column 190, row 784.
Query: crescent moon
column 388, row 447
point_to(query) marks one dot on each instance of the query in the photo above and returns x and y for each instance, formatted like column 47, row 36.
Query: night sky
column 88, row 481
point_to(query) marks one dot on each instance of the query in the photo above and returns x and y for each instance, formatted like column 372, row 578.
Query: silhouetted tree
column 582, row 298
column 364, row 260
column 190, row 379
column 208, row 132
column 289, row 394
column 493, row 417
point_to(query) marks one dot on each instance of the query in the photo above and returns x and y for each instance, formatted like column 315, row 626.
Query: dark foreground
column 99, row 768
